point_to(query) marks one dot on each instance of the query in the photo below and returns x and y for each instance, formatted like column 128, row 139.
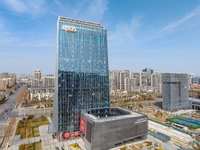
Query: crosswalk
column 3, row 107
column 4, row 123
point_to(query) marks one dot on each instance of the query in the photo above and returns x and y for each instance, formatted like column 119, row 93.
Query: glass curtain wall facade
column 82, row 81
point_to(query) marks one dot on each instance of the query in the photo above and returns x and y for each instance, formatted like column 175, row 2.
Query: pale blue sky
column 162, row 35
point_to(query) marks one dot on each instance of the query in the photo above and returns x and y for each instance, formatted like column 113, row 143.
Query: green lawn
column 30, row 127
column 33, row 146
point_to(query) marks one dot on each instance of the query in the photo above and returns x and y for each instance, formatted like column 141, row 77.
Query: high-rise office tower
column 149, row 71
column 81, row 79
column 175, row 91
column 37, row 74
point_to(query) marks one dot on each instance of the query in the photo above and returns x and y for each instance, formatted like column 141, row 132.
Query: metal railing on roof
column 80, row 22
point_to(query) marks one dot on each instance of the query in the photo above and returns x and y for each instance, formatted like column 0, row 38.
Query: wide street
column 7, row 110
column 9, row 106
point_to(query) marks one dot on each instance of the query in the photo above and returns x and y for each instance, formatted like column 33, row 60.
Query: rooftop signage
column 69, row 29
column 141, row 120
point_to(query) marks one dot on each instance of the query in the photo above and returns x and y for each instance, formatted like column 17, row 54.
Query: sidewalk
column 48, row 143
column 49, row 120
column 16, row 144
column 11, row 139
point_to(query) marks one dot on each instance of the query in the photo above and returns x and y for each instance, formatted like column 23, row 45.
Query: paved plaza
column 183, row 111
column 48, row 143
column 19, row 142
column 170, row 145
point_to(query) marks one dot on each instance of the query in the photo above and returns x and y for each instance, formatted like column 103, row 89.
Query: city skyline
column 142, row 34
column 108, row 75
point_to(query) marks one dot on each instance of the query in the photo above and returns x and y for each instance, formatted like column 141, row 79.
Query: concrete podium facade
column 123, row 127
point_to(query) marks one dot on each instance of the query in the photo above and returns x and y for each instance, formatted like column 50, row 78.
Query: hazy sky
column 162, row 35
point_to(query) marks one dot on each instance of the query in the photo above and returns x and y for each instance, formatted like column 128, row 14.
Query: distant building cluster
column 7, row 80
column 136, row 81
column 193, row 81
column 42, row 87
column 24, row 78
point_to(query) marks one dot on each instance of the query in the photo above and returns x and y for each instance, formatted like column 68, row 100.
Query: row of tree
column 21, row 95
column 2, row 99
column 14, row 87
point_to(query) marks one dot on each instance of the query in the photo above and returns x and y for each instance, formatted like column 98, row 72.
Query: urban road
column 7, row 108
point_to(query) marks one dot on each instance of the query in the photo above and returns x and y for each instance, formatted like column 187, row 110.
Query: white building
column 123, row 74
column 161, row 82
column 37, row 74
column 48, row 81
column 155, row 82
column 129, row 83
column 42, row 87
column 112, row 84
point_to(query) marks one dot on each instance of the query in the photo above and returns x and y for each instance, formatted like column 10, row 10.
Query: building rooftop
column 116, row 113
column 79, row 22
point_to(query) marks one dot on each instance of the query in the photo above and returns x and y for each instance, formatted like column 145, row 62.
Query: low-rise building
column 117, row 127
column 42, row 93
column 42, row 87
